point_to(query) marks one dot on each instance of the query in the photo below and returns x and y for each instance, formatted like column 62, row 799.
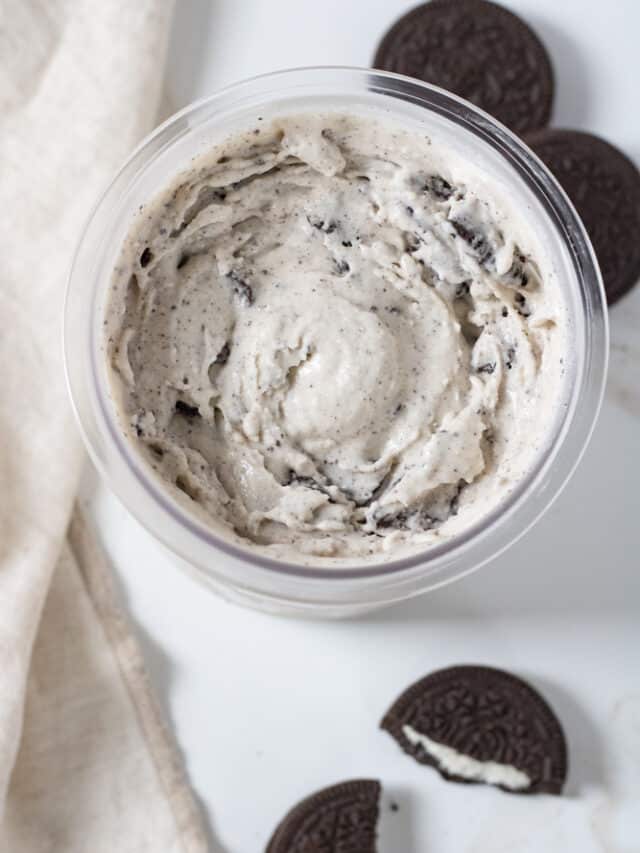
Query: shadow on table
column 585, row 749
column 571, row 72
column 396, row 827
column 161, row 676
column 189, row 29
column 579, row 558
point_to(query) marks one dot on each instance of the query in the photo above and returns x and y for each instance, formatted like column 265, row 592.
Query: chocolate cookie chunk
column 477, row 50
column 339, row 819
column 478, row 724
column 604, row 186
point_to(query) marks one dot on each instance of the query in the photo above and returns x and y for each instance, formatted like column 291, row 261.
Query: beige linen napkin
column 85, row 762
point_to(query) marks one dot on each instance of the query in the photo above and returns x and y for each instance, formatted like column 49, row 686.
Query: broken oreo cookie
column 478, row 50
column 339, row 819
column 604, row 186
column 479, row 724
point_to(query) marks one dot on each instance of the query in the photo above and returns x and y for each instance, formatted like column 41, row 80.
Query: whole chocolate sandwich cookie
column 604, row 186
column 339, row 819
column 479, row 724
column 477, row 50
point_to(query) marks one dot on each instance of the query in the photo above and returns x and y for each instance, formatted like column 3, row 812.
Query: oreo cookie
column 339, row 819
column 604, row 186
column 479, row 724
column 478, row 50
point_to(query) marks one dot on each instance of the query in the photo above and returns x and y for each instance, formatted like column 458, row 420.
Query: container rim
column 579, row 418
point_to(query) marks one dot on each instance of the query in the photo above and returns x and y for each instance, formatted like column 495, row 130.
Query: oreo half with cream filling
column 483, row 725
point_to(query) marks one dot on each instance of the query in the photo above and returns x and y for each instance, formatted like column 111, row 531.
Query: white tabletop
column 268, row 710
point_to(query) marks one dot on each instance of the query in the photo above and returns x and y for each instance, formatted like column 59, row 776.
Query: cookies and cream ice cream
column 332, row 338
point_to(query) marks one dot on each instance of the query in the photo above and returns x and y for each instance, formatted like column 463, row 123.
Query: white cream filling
column 466, row 767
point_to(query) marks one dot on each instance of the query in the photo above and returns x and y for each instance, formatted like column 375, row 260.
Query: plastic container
column 239, row 573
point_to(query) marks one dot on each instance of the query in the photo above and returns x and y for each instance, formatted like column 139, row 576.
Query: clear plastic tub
column 239, row 573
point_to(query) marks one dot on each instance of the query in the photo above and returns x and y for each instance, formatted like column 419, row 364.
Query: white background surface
column 268, row 710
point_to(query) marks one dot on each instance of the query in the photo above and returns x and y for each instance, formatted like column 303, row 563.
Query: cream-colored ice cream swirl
column 325, row 336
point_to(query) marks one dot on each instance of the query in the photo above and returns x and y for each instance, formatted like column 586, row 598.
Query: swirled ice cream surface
column 333, row 339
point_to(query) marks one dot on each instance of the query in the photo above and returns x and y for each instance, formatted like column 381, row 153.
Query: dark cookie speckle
column 185, row 409
column 478, row 243
column 146, row 257
column 241, row 289
column 438, row 187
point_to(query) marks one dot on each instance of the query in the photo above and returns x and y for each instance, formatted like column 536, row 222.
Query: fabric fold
column 79, row 86
column 97, row 768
